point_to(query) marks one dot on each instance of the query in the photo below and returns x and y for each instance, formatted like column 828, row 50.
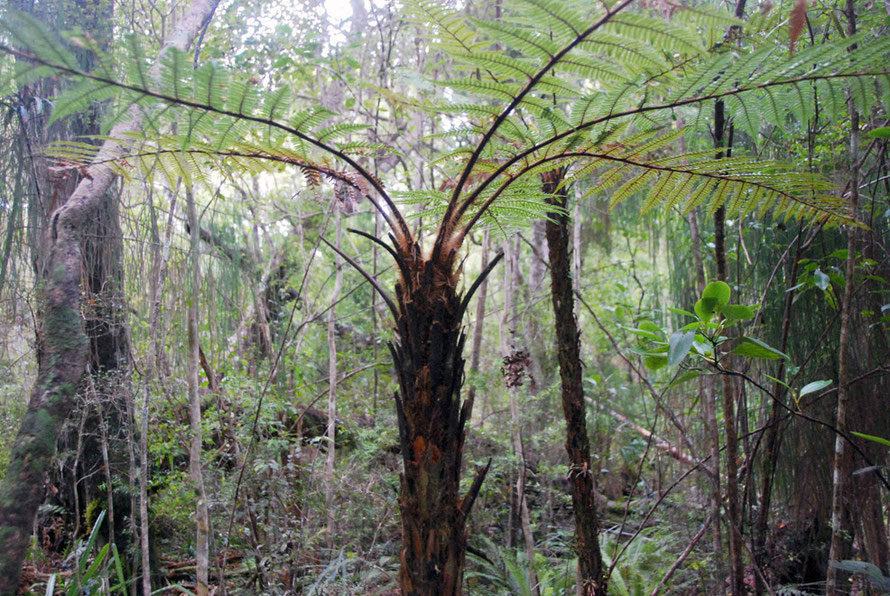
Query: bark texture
column 196, row 474
column 840, row 485
column 63, row 345
column 432, row 423
column 587, row 525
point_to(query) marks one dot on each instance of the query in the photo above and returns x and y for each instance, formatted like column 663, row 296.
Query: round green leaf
column 718, row 290
column 704, row 308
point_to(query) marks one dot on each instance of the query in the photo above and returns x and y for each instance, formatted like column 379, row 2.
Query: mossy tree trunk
column 63, row 347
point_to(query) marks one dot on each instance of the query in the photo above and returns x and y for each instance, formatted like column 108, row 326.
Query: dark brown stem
column 587, row 524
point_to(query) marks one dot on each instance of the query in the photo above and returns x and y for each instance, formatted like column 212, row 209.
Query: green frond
column 631, row 186
column 460, row 132
column 627, row 51
column 555, row 16
column 338, row 131
column 447, row 27
column 456, row 155
column 591, row 68
column 500, row 64
column 531, row 42
column 705, row 15
column 666, row 36
column 498, row 90
column 308, row 119
column 367, row 148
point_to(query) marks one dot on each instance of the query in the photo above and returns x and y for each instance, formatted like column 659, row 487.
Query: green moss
column 94, row 508
column 30, row 455
column 63, row 329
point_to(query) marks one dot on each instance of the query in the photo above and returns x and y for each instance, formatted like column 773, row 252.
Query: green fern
column 579, row 88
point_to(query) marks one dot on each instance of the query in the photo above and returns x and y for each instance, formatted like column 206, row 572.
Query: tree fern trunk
column 432, row 425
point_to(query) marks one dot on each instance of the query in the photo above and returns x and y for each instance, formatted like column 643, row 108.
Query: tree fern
column 572, row 83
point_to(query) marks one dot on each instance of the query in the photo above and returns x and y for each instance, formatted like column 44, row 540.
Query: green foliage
column 100, row 570
column 642, row 564
column 714, row 314
column 506, row 571
column 564, row 108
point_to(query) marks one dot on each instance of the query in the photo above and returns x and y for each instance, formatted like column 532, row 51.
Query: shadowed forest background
column 532, row 297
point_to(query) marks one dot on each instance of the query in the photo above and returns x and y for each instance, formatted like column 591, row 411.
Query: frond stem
column 401, row 229
column 642, row 110
column 450, row 214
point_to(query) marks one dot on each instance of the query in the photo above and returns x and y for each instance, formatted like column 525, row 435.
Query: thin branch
column 369, row 277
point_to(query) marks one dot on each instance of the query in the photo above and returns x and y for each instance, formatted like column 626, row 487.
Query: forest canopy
column 441, row 297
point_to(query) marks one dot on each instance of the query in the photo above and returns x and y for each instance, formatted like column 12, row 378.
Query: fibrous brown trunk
column 432, row 423
column 587, row 525
column 64, row 347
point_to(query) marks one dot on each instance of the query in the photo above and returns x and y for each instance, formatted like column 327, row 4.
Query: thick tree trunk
column 432, row 424
column 587, row 525
column 63, row 345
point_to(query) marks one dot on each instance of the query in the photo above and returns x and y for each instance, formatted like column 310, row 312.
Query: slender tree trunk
column 159, row 259
column 202, row 516
column 331, row 431
column 709, row 415
column 63, row 347
column 840, row 487
column 736, row 544
column 587, row 525
column 479, row 323
column 773, row 436
column 516, row 362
